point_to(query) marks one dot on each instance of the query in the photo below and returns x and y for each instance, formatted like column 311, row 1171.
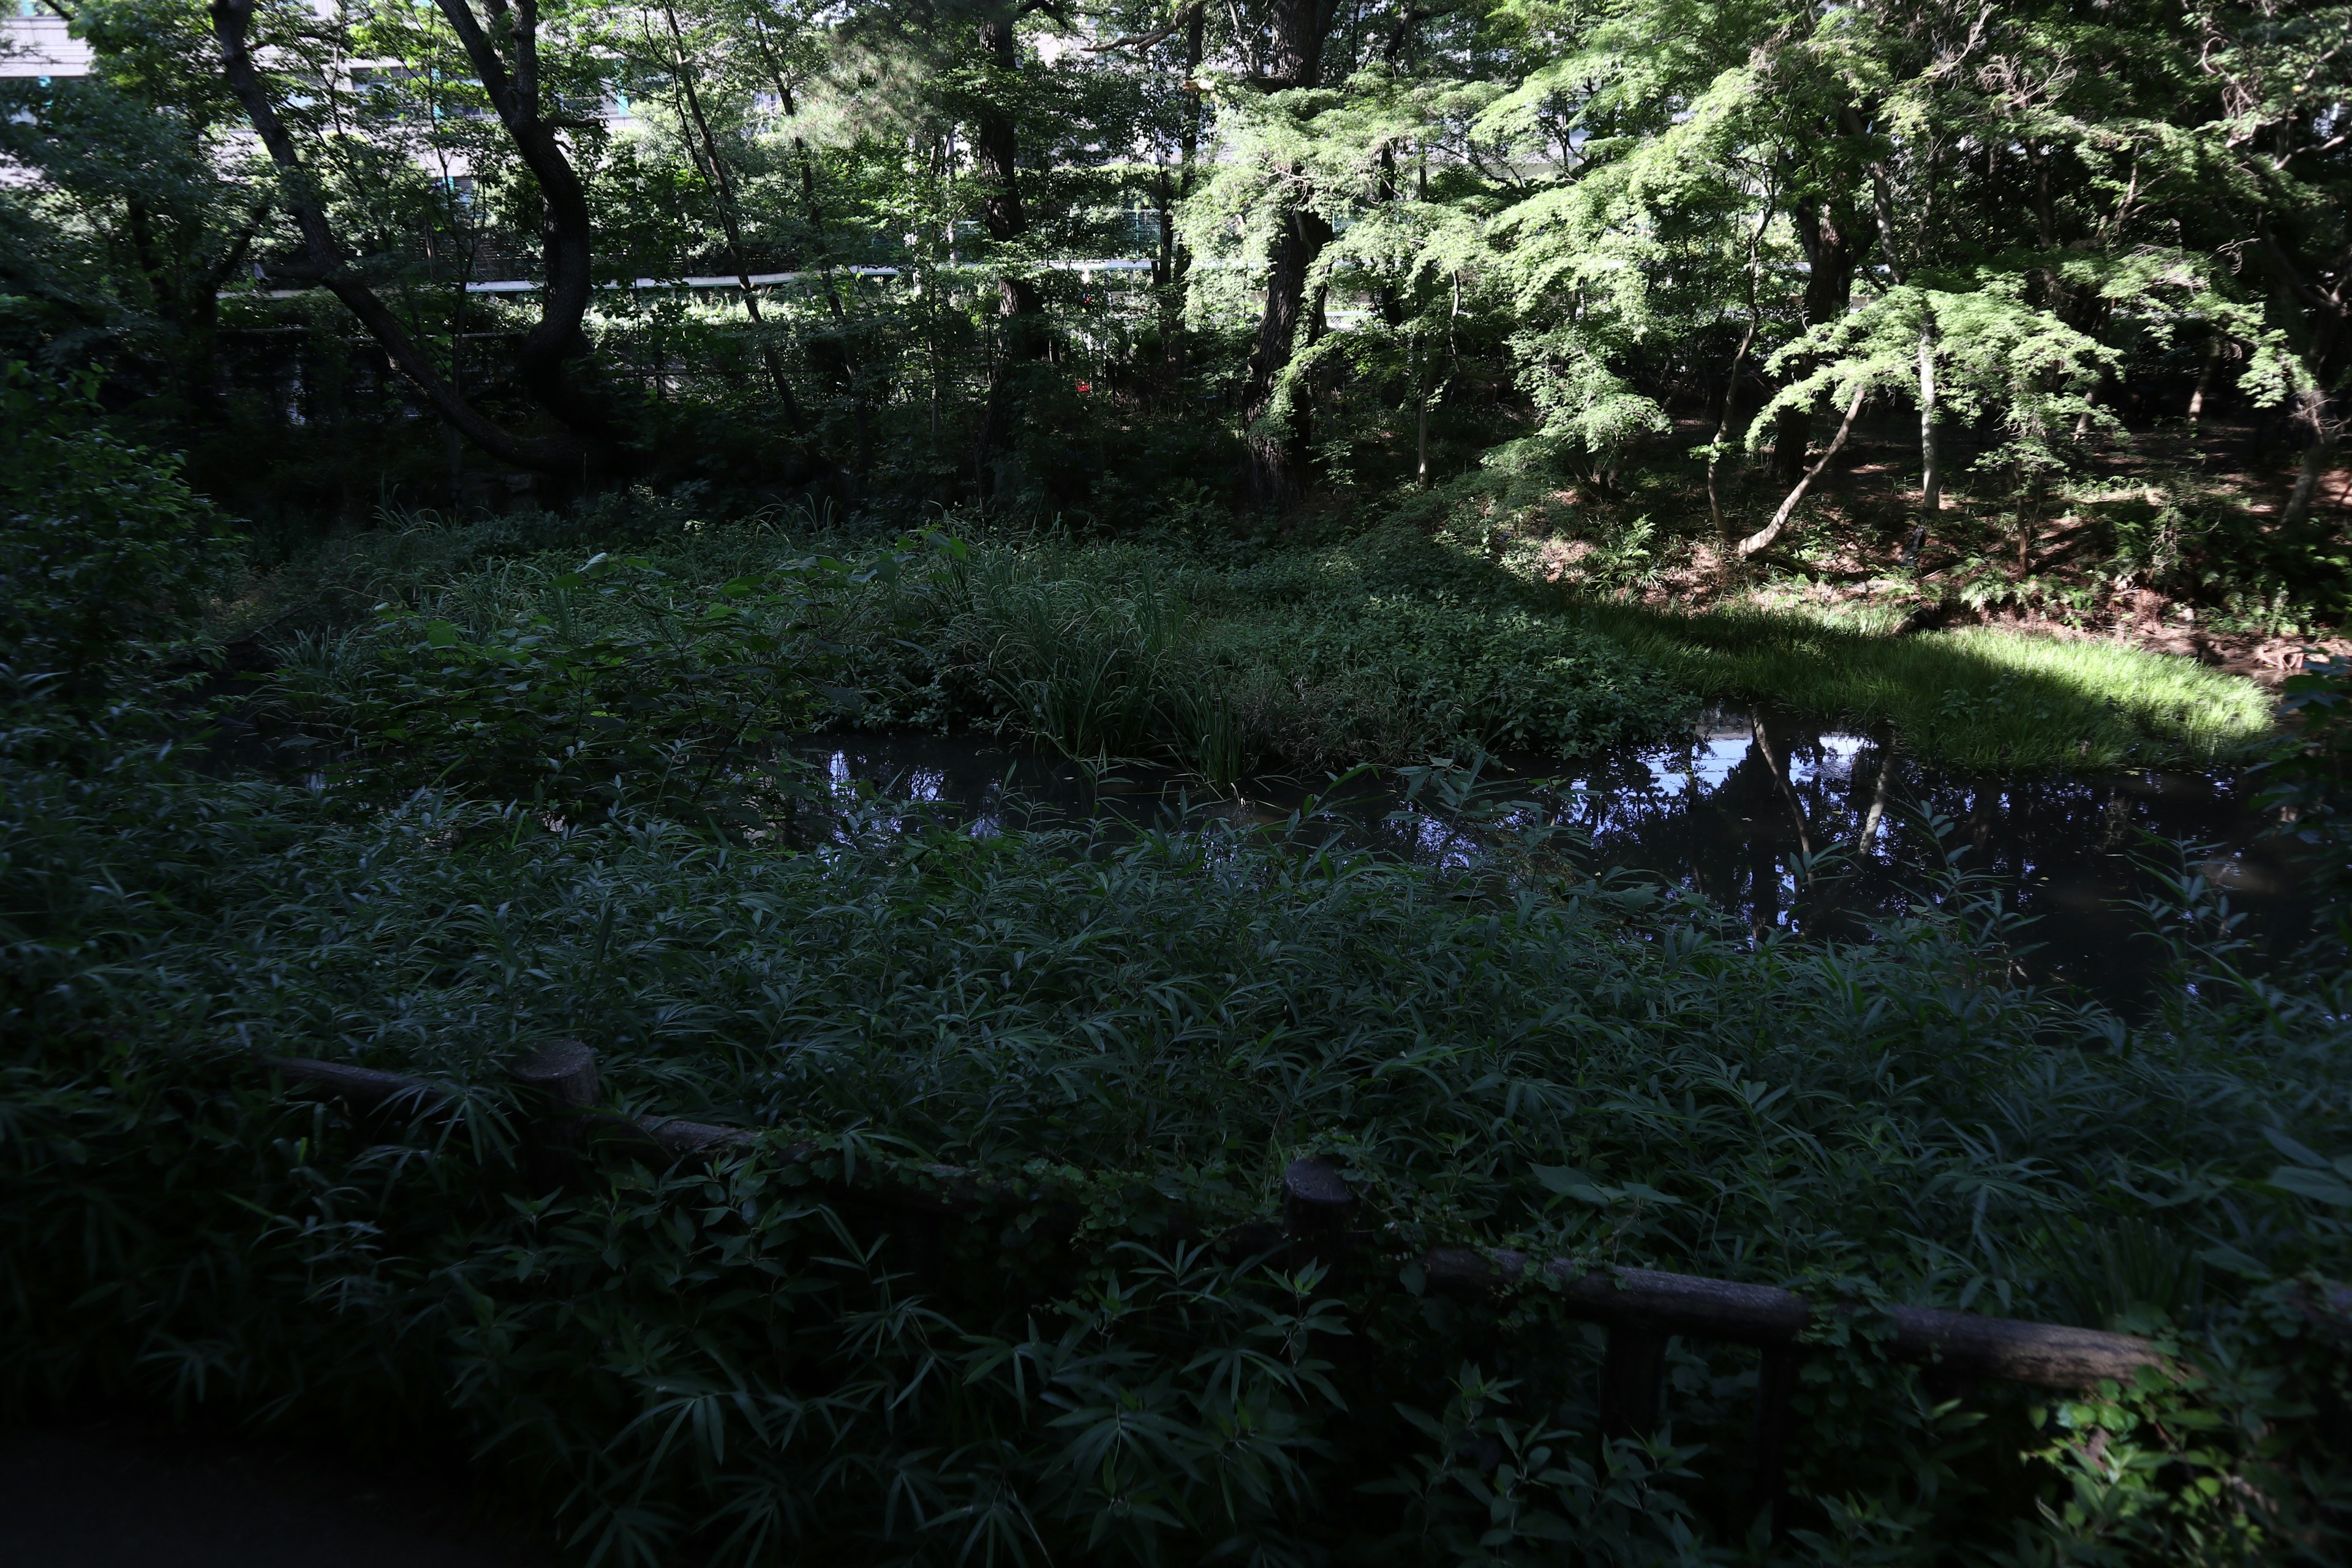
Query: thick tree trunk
column 554, row 353
column 562, row 303
column 1279, row 440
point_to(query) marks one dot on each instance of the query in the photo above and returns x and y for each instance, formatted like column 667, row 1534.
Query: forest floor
column 2139, row 554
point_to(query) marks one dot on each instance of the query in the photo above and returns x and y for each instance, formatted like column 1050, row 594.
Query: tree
column 1277, row 417
column 137, row 215
column 505, row 55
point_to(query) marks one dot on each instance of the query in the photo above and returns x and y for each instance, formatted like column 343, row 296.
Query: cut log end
column 565, row 1070
column 1317, row 1184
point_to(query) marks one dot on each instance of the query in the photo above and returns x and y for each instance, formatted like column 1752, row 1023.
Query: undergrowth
column 753, row 1364
column 1384, row 648
column 762, row 1362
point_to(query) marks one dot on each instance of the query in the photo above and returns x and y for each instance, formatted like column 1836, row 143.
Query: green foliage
column 1980, row 696
column 2311, row 778
column 105, row 555
column 1388, row 647
column 1378, row 650
column 610, row 681
column 768, row 1360
column 747, row 1363
column 1388, row 677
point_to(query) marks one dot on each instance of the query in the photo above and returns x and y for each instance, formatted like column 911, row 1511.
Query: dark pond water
column 1785, row 824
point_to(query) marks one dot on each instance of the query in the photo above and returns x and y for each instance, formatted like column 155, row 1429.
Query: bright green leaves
column 1998, row 355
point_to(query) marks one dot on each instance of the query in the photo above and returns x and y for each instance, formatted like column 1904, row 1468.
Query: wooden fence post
column 1776, row 1383
column 1631, row 1372
column 563, row 1078
column 1316, row 1205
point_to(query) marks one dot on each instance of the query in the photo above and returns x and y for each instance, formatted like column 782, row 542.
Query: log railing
column 1640, row 1308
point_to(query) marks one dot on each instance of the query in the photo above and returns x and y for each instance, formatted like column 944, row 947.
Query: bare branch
column 1763, row 537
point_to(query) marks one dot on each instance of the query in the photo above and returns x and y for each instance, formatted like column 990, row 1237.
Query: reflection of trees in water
column 1785, row 826
column 1795, row 827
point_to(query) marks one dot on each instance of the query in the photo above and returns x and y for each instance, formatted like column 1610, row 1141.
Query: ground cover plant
column 739, row 1361
column 1387, row 646
column 749, row 1363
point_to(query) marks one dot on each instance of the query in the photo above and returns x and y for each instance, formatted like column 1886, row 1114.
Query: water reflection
column 1785, row 824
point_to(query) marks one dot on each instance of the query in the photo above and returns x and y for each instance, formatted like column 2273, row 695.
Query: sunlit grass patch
column 1980, row 698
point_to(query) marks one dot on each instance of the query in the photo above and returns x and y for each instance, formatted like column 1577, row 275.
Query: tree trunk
column 2314, row 413
column 1419, row 367
column 2205, row 379
column 730, row 222
column 563, row 304
column 1018, row 304
column 1179, row 257
column 1279, row 440
column 1725, row 541
column 1931, row 476
column 555, row 351
column 1763, row 537
column 1831, row 252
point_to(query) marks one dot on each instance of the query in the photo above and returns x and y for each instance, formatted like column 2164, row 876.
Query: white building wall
column 34, row 42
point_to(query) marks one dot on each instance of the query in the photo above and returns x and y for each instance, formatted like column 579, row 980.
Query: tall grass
column 1388, row 647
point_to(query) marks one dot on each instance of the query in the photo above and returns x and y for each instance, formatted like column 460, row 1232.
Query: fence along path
column 1640, row 1309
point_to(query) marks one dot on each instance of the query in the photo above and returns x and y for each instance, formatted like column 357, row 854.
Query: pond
column 1784, row 823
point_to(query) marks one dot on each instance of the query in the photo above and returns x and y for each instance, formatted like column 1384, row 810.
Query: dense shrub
column 613, row 684
column 105, row 554
column 2311, row 778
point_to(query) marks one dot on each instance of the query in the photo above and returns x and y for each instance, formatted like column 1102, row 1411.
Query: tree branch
column 1763, row 537
column 1144, row 40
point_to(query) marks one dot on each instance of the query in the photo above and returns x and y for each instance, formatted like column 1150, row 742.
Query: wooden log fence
column 1640, row 1309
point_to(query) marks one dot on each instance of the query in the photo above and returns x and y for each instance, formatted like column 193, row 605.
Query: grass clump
column 1386, row 647
column 1228, row 673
